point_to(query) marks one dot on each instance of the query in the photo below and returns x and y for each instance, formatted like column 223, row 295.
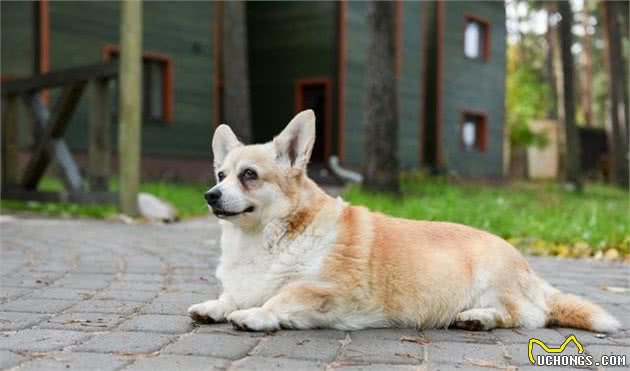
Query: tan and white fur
column 293, row 257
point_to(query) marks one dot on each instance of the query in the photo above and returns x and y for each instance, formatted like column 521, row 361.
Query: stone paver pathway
column 92, row 295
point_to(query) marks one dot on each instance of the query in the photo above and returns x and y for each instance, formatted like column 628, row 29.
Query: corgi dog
column 294, row 257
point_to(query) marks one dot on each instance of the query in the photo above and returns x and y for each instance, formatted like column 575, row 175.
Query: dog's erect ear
column 295, row 143
column 223, row 142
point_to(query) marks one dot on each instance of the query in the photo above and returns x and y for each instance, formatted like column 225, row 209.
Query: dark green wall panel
column 180, row 30
column 410, row 83
column 288, row 41
column 473, row 85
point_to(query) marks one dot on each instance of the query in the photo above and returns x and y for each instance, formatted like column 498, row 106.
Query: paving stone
column 224, row 328
column 365, row 346
column 279, row 363
column 459, row 336
column 123, row 295
column 140, row 277
column 48, row 306
column 169, row 362
column 18, row 321
column 106, row 306
column 467, row 353
column 166, row 307
column 83, row 321
column 10, row 293
column 182, row 297
column 167, row 324
column 9, row 359
column 124, row 342
column 320, row 345
column 93, row 281
column 75, row 361
column 135, row 286
column 213, row 345
column 36, row 340
column 62, row 293
column 30, row 280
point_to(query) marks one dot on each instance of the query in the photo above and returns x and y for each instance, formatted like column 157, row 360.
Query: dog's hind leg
column 483, row 319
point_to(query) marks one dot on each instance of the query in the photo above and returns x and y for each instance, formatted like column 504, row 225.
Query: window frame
column 485, row 36
column 482, row 141
column 111, row 50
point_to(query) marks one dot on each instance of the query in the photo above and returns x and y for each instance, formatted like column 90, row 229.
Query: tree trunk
column 130, row 105
column 550, row 74
column 618, row 97
column 381, row 144
column 587, row 77
column 236, row 97
column 573, row 171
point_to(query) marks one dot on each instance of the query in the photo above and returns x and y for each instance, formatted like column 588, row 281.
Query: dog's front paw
column 254, row 319
column 210, row 311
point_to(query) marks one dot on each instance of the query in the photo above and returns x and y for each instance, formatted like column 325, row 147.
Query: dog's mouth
column 220, row 213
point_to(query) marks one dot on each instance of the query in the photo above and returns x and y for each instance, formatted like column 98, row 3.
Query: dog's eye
column 249, row 174
column 221, row 176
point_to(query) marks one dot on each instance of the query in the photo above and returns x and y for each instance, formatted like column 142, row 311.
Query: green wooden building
column 450, row 68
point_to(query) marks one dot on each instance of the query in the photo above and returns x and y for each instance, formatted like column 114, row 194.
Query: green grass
column 187, row 198
column 541, row 214
column 539, row 218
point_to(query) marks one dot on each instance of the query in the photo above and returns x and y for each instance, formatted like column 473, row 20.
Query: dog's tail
column 568, row 310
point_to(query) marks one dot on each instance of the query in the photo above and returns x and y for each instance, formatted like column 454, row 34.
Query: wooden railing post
column 10, row 142
column 130, row 104
column 99, row 137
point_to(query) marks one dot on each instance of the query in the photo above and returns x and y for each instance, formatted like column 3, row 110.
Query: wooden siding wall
column 17, row 48
column 288, row 41
column 473, row 85
column 80, row 30
column 410, row 82
column 17, row 41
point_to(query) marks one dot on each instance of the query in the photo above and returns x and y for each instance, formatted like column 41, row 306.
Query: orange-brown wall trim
column 341, row 79
column 438, row 82
column 218, row 76
column 44, row 41
column 423, row 83
column 399, row 35
column 167, row 90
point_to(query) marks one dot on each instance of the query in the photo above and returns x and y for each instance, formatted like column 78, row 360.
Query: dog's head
column 259, row 183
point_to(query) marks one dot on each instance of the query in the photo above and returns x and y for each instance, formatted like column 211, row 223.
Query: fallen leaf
column 488, row 364
column 421, row 340
column 617, row 290
column 347, row 340
column 409, row 355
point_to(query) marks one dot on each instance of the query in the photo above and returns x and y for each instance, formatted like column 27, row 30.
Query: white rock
column 154, row 209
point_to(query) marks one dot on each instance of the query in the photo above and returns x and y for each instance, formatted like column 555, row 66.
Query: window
column 157, row 84
column 476, row 38
column 473, row 131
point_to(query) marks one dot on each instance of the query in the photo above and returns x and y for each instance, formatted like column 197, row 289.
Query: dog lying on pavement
column 293, row 257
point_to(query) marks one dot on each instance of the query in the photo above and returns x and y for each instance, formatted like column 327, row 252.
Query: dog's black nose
column 212, row 197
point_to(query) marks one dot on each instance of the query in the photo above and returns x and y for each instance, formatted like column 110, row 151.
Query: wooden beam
column 130, row 105
column 59, row 120
column 68, row 169
column 99, row 140
column 59, row 78
column 10, row 142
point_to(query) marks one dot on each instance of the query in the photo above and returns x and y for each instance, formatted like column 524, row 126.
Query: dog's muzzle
column 213, row 197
